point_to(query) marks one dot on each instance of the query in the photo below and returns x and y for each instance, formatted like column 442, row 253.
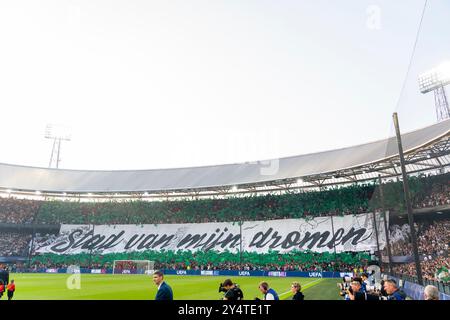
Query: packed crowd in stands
column 426, row 192
column 440, row 196
column 211, row 260
column 14, row 244
column 430, row 268
column 192, row 265
column 340, row 201
column 433, row 245
column 18, row 211
column 433, row 239
column 319, row 267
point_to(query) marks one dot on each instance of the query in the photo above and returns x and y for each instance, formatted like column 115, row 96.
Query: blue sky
column 154, row 84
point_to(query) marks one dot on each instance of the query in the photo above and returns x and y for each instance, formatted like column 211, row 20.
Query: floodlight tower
column 57, row 133
column 435, row 80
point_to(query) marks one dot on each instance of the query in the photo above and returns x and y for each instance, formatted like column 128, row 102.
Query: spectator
column 431, row 293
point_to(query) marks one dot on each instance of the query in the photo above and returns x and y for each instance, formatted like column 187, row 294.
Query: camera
column 344, row 286
column 233, row 293
column 221, row 288
column 375, row 288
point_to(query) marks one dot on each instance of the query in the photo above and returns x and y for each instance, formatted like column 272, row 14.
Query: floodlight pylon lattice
column 435, row 80
column 57, row 133
column 441, row 103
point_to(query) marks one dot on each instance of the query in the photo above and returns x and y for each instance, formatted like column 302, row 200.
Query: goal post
column 133, row 267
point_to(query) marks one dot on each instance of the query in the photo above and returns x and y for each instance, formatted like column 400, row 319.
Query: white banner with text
column 320, row 234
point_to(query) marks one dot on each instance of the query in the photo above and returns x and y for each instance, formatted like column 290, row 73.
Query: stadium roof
column 427, row 148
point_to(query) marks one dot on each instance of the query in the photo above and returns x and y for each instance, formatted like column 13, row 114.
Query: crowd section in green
column 426, row 191
column 212, row 260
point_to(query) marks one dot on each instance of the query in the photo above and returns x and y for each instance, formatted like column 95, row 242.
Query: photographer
column 355, row 292
column 392, row 290
column 232, row 291
column 365, row 284
column 372, row 278
column 344, row 286
column 383, row 292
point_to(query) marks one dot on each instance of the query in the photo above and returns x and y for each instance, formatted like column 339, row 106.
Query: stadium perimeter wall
column 415, row 291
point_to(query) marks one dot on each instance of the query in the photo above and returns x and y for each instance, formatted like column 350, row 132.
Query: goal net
column 133, row 267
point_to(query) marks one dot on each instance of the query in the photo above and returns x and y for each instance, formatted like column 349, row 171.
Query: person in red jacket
column 11, row 287
column 2, row 289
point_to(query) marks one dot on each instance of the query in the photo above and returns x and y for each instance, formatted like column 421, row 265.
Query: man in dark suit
column 4, row 276
column 164, row 290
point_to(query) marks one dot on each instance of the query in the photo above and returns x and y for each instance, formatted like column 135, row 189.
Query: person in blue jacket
column 393, row 291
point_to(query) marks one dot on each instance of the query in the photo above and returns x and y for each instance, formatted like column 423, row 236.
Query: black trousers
column 10, row 294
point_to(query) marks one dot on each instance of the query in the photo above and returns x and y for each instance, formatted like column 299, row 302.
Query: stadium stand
column 304, row 261
column 14, row 244
column 430, row 269
column 18, row 211
column 433, row 245
column 427, row 192
column 433, row 239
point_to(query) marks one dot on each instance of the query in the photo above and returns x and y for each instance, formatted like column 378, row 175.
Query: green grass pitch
column 141, row 287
